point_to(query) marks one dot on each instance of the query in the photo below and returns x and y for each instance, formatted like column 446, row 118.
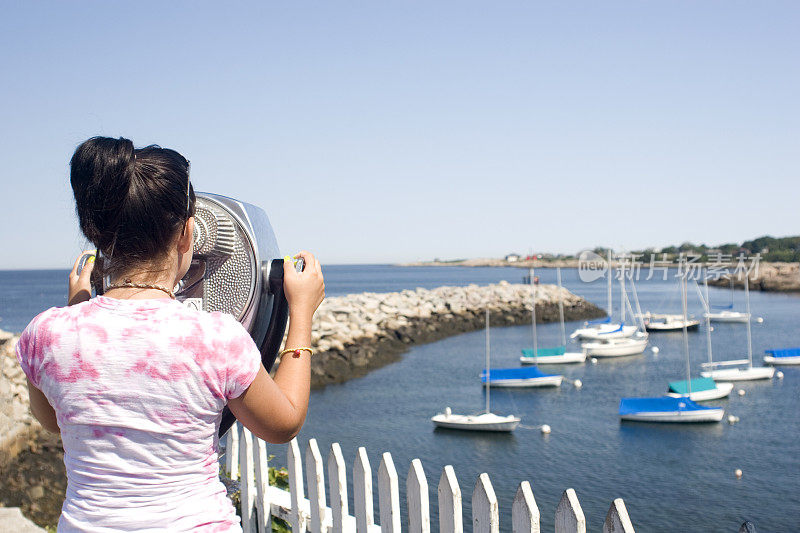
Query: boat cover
column 698, row 385
column 729, row 306
column 558, row 350
column 499, row 374
column 613, row 331
column 605, row 320
column 664, row 404
column 784, row 352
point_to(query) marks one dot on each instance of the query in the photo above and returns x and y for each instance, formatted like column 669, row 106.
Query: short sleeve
column 29, row 354
column 243, row 359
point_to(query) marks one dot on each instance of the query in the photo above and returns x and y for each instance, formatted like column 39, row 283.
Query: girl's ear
column 186, row 240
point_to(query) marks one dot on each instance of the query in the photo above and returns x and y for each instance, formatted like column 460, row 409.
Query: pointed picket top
column 232, row 451
column 295, row 468
column 315, row 479
column 485, row 510
column 569, row 515
column 362, row 492
column 337, row 486
column 388, row 495
column 450, row 513
column 262, row 486
column 617, row 520
column 247, row 494
column 419, row 513
column 524, row 511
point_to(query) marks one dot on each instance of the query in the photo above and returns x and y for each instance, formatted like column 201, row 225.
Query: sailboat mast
column 622, row 293
column 610, row 310
column 749, row 319
column 708, row 319
column 487, row 362
column 561, row 308
column 686, row 335
column 533, row 316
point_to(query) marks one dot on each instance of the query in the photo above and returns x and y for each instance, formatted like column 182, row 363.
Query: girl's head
column 133, row 204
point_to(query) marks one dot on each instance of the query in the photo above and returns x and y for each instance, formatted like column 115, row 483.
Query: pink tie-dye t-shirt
column 138, row 387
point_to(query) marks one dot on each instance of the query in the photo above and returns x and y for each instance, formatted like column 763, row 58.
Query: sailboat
column 727, row 314
column 670, row 408
column 701, row 389
column 486, row 421
column 620, row 346
column 784, row 356
column 559, row 354
column 739, row 374
column 668, row 322
column 604, row 328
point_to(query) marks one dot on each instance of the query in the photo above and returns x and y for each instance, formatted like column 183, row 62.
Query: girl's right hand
column 304, row 290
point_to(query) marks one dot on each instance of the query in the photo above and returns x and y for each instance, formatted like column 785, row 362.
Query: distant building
column 512, row 258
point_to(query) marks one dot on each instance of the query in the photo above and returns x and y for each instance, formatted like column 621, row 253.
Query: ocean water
column 672, row 477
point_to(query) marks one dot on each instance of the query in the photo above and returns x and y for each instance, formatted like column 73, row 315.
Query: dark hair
column 131, row 203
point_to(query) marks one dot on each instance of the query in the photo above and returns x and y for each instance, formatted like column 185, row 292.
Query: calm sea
column 672, row 477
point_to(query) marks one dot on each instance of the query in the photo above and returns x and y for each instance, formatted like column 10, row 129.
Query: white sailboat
column 671, row 408
column 726, row 313
column 559, row 354
column 747, row 373
column 621, row 346
column 668, row 322
column 703, row 388
column 486, row 421
column 604, row 328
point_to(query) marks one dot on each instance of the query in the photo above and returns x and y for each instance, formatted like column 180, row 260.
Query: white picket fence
column 314, row 514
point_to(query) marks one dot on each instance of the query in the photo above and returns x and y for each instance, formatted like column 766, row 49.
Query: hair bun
column 101, row 172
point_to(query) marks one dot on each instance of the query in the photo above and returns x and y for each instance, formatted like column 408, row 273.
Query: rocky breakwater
column 769, row 277
column 359, row 332
column 16, row 421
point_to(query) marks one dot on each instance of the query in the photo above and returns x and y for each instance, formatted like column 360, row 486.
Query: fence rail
column 246, row 456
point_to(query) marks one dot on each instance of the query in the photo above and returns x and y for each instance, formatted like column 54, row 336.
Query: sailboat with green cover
column 553, row 355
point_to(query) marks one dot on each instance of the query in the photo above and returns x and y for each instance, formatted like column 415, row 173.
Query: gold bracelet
column 297, row 351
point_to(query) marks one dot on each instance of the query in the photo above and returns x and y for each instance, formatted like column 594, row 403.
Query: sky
column 381, row 132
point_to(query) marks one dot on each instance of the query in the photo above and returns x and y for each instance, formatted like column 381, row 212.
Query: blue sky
column 396, row 131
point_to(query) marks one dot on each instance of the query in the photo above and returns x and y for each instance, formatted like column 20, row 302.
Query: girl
column 134, row 381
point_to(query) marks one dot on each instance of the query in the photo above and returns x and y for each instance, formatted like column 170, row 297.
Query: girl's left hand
column 80, row 288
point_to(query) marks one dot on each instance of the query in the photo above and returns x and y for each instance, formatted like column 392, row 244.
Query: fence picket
column 485, row 510
column 419, row 512
column 388, row 495
column 569, row 515
column 362, row 492
column 450, row 514
column 524, row 511
column 617, row 520
column 337, row 485
column 247, row 495
column 315, row 479
column 295, row 467
column 232, row 451
column 263, row 504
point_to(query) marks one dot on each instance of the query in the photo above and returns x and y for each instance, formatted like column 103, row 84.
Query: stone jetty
column 356, row 333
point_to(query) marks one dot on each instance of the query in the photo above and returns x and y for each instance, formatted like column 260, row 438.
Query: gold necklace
column 128, row 284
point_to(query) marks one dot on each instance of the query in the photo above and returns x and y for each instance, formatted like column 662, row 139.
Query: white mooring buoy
column 545, row 429
column 779, row 374
column 578, row 383
column 738, row 473
column 732, row 419
column 741, row 392
column 654, row 349
column 759, row 320
column 594, row 361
